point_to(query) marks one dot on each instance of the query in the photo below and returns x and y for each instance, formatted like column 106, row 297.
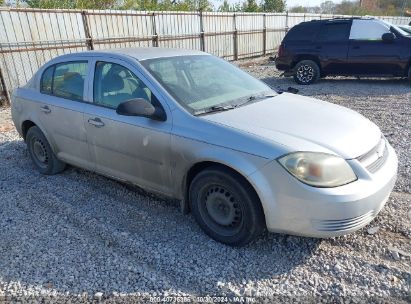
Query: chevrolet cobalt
column 184, row 124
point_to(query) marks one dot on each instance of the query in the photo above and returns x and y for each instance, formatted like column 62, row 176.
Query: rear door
column 299, row 40
column 369, row 54
column 63, row 87
column 332, row 46
column 130, row 148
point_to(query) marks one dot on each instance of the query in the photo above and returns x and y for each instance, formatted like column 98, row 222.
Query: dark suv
column 354, row 46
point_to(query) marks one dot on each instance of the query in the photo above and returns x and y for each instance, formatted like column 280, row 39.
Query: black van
column 353, row 46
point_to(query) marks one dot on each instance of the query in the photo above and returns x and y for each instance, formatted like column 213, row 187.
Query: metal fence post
column 264, row 35
column 286, row 22
column 4, row 91
column 235, row 38
column 202, row 38
column 155, row 34
column 89, row 42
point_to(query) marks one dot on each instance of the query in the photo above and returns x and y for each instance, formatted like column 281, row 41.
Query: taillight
column 281, row 50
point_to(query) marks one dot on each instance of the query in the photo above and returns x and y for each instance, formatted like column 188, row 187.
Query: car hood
column 304, row 124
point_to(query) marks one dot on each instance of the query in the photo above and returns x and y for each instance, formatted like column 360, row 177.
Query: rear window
column 305, row 31
column 47, row 81
column 65, row 80
column 68, row 80
column 334, row 32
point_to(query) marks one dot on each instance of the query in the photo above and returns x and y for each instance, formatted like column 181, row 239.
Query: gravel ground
column 78, row 236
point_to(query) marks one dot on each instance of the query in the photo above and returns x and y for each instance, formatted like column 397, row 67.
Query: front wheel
column 306, row 72
column 226, row 207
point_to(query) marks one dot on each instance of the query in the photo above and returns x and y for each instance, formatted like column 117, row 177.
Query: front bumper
column 295, row 208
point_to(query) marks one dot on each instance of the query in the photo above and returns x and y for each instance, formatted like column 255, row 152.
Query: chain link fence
column 31, row 37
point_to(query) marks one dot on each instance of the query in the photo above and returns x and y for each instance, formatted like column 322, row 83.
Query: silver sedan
column 184, row 124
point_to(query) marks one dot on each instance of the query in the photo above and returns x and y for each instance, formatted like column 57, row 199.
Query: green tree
column 72, row 4
column 142, row 5
column 192, row 5
column 391, row 7
column 236, row 7
column 298, row 9
column 350, row 8
column 226, row 7
column 273, row 6
column 250, row 6
column 327, row 7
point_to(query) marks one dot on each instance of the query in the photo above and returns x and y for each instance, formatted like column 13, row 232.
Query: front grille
column 344, row 224
column 376, row 157
column 375, row 166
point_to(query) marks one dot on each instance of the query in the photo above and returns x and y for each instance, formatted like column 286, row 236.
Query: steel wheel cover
column 39, row 152
column 221, row 210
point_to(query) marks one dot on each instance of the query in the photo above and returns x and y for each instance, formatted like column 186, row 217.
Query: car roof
column 340, row 19
column 138, row 53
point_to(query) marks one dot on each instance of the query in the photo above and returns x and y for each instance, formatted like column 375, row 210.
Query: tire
column 306, row 72
column 226, row 207
column 409, row 74
column 41, row 153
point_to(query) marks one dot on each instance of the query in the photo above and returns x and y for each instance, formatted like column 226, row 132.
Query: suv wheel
column 226, row 207
column 306, row 72
column 41, row 153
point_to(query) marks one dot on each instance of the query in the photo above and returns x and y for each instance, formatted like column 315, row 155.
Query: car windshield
column 398, row 29
column 203, row 83
column 406, row 28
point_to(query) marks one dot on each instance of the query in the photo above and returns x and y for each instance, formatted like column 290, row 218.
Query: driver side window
column 367, row 30
column 114, row 84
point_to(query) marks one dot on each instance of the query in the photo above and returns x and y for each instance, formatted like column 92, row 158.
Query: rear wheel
column 306, row 72
column 226, row 207
column 41, row 153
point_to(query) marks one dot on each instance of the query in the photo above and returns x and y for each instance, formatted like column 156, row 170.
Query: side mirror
column 388, row 37
column 140, row 107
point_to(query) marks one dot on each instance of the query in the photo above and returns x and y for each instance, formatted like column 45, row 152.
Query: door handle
column 96, row 122
column 318, row 47
column 356, row 47
column 45, row 109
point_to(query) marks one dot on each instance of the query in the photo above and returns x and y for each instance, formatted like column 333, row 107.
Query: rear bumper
column 295, row 208
column 283, row 63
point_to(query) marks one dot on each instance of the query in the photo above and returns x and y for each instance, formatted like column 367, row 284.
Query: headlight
column 318, row 169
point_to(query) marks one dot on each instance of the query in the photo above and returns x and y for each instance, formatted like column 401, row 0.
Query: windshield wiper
column 214, row 109
column 253, row 98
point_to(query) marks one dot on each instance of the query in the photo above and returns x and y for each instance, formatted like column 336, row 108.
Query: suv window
column 334, row 32
column 114, row 84
column 305, row 31
column 368, row 30
column 65, row 80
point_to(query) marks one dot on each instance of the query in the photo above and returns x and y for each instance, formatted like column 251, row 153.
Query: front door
column 129, row 148
column 368, row 54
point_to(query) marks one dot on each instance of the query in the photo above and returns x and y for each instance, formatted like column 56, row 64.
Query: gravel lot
column 79, row 236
